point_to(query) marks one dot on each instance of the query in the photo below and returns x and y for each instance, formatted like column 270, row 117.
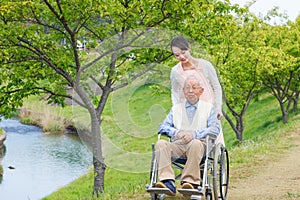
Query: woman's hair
column 180, row 42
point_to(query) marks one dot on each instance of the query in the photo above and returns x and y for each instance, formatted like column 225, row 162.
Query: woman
column 189, row 65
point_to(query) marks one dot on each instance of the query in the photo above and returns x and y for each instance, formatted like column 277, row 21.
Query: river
column 36, row 164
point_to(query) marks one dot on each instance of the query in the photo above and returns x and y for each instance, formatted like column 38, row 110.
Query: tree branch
column 44, row 57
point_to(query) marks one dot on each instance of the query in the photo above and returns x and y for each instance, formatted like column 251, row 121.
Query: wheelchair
column 214, row 169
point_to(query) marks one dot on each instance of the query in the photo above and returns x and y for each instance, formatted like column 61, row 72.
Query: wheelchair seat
column 183, row 160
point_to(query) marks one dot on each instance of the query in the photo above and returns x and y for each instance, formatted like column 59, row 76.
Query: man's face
column 192, row 90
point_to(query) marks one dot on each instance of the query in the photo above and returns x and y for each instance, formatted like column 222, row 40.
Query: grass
column 49, row 118
column 118, row 185
column 293, row 196
column 129, row 126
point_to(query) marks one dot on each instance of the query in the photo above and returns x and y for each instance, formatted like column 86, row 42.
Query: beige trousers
column 194, row 151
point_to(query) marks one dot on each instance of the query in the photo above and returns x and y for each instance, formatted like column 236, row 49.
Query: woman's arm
column 174, row 86
column 216, row 86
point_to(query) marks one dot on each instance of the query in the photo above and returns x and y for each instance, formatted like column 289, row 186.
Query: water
column 42, row 163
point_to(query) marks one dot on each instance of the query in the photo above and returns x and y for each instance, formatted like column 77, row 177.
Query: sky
column 291, row 7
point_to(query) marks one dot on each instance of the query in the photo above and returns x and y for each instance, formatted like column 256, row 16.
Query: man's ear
column 201, row 90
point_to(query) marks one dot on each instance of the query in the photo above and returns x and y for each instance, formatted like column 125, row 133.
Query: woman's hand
column 219, row 116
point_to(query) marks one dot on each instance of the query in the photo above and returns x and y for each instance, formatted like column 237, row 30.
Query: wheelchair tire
column 153, row 196
column 153, row 169
column 208, row 194
column 220, row 173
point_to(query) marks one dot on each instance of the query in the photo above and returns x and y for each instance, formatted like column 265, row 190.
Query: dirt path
column 278, row 178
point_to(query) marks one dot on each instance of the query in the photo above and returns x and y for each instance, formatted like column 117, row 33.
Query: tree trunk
column 99, row 171
column 284, row 113
column 284, row 118
column 98, row 160
column 239, row 136
column 235, row 127
column 296, row 100
column 239, row 127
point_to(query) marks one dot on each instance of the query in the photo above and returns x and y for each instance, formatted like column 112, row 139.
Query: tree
column 238, row 69
column 278, row 66
column 235, row 53
column 40, row 55
column 293, row 50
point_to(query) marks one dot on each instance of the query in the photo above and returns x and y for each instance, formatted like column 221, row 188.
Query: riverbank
column 46, row 121
column 50, row 118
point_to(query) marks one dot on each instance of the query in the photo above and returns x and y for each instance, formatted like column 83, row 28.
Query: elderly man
column 186, row 124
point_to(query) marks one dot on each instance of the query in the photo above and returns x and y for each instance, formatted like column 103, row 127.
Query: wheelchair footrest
column 157, row 190
column 191, row 191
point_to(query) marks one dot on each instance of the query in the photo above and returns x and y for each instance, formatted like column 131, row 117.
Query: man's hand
column 185, row 136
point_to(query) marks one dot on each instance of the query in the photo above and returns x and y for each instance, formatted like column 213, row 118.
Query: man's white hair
column 193, row 77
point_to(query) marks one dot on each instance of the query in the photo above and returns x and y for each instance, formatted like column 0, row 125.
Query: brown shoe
column 187, row 186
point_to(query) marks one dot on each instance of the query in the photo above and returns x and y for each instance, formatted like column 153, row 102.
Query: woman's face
column 182, row 56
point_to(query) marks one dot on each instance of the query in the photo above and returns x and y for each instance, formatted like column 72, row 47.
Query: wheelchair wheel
column 153, row 174
column 153, row 170
column 153, row 196
column 220, row 173
column 208, row 194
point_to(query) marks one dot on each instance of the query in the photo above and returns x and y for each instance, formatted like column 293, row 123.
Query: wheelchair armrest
column 212, row 136
column 163, row 134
